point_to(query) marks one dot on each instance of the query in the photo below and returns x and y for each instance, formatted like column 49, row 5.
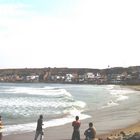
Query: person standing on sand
column 90, row 133
column 1, row 127
column 76, row 125
column 39, row 130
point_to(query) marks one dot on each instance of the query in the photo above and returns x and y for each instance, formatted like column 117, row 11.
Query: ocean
column 111, row 106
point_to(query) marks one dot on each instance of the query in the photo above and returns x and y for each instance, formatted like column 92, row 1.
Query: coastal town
column 116, row 75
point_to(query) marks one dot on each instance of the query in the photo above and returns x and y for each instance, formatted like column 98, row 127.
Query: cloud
column 13, row 10
column 96, row 34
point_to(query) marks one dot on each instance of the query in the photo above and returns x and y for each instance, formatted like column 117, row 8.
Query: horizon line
column 70, row 67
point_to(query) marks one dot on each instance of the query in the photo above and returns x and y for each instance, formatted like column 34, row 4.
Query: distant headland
column 115, row 75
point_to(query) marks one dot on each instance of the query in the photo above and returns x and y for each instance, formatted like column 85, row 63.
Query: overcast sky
column 69, row 33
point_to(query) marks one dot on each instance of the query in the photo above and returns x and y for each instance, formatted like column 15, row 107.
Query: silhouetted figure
column 39, row 130
column 90, row 133
column 76, row 125
column 1, row 127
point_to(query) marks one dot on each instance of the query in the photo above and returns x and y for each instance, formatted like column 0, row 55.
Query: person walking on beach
column 90, row 133
column 1, row 127
column 76, row 125
column 39, row 130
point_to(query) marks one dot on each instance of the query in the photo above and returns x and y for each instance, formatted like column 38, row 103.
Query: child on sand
column 90, row 133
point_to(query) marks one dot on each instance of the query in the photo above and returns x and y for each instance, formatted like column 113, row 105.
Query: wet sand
column 64, row 132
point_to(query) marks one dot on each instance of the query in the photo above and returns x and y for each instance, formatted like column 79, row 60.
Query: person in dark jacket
column 90, row 133
column 76, row 125
column 39, row 130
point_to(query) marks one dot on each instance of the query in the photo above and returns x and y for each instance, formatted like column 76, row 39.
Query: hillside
column 115, row 75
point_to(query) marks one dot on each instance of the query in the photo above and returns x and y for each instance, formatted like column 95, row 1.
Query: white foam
column 110, row 87
column 110, row 104
column 80, row 104
column 116, row 92
column 121, row 94
column 39, row 91
column 122, row 97
column 26, row 108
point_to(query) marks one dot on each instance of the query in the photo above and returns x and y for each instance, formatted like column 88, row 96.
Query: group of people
column 89, row 133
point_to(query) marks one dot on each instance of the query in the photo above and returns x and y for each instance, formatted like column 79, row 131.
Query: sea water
column 109, row 106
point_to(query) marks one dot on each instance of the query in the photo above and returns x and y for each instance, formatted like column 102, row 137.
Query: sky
column 69, row 33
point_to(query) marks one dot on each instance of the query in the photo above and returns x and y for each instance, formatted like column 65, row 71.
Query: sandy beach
column 64, row 132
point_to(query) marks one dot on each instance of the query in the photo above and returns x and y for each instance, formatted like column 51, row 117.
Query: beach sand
column 64, row 132
column 132, row 129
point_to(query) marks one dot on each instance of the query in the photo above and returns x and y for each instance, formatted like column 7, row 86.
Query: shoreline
column 132, row 87
column 64, row 132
